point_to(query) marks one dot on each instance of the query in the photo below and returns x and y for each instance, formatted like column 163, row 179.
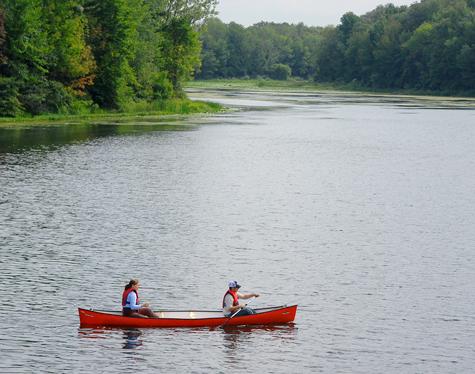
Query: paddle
column 237, row 311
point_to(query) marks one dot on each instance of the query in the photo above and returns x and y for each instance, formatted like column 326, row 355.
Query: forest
column 428, row 46
column 80, row 56
column 75, row 56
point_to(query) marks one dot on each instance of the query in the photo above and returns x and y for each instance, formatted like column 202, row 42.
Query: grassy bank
column 301, row 85
column 139, row 111
column 255, row 84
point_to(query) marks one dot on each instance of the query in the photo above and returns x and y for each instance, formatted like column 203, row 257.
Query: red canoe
column 191, row 318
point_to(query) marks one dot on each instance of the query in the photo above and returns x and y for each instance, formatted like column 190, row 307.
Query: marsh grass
column 130, row 112
column 303, row 85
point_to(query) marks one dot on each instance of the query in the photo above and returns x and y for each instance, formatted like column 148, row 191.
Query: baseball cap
column 234, row 284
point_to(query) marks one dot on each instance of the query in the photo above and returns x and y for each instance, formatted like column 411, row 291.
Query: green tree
column 387, row 62
column 26, row 44
column 195, row 11
column 181, row 51
column 261, row 44
column 3, row 36
column 418, row 54
column 238, row 51
column 359, row 56
column 297, row 57
column 26, row 50
column 178, row 23
column 330, row 57
column 114, row 41
column 345, row 29
column 214, row 57
column 152, row 80
column 69, row 58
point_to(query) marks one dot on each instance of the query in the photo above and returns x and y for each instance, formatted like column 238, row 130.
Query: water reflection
column 131, row 338
column 22, row 138
column 237, row 337
column 93, row 333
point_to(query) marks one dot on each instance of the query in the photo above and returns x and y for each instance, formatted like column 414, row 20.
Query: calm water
column 360, row 209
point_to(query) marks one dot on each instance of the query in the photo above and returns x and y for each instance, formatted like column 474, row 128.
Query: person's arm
column 247, row 295
column 132, row 299
column 242, row 296
column 228, row 305
column 233, row 309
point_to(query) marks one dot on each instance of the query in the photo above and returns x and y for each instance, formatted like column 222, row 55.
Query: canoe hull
column 269, row 316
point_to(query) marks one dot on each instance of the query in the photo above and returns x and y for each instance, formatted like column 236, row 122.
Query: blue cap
column 234, row 284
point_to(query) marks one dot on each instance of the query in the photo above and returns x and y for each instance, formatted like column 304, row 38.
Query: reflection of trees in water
column 238, row 337
column 24, row 138
column 131, row 338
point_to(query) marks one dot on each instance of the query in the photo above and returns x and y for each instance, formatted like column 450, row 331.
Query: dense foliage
column 429, row 45
column 265, row 49
column 72, row 56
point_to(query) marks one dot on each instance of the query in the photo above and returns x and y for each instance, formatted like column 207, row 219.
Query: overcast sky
column 310, row 12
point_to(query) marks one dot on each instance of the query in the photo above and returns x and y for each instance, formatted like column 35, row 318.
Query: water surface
column 359, row 208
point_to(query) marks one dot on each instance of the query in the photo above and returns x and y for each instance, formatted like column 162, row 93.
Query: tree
column 69, row 60
column 387, row 61
column 152, row 82
column 26, row 50
column 214, row 56
column 114, row 40
column 238, row 51
column 347, row 23
column 178, row 22
column 26, row 44
column 181, row 50
column 330, row 57
column 359, row 56
column 195, row 11
column 3, row 36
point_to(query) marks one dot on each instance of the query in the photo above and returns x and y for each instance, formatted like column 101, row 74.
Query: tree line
column 71, row 56
column 429, row 46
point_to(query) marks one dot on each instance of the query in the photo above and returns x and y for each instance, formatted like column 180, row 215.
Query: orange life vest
column 125, row 294
column 234, row 295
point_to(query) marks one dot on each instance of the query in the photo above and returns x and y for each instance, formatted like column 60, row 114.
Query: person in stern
column 231, row 301
column 130, row 302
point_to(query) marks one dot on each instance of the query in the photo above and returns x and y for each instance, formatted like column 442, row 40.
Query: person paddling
column 231, row 301
column 130, row 302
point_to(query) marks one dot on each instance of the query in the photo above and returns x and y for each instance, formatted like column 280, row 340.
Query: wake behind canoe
column 169, row 318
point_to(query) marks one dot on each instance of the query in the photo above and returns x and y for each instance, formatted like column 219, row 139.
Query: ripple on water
column 348, row 206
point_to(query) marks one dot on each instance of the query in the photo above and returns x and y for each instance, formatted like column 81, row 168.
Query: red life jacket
column 234, row 295
column 125, row 294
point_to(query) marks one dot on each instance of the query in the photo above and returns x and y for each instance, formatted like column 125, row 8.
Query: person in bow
column 131, row 306
column 231, row 303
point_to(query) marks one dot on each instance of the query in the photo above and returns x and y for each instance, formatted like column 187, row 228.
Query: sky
column 310, row 12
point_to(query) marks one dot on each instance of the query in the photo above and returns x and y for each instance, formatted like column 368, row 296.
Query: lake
column 359, row 208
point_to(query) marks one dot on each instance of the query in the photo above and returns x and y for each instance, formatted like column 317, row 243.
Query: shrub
column 45, row 96
column 280, row 72
column 162, row 87
column 10, row 105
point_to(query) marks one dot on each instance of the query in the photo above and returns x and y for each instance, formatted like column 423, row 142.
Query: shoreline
column 171, row 110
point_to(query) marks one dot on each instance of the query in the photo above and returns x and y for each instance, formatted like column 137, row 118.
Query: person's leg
column 245, row 312
column 131, row 313
column 148, row 312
